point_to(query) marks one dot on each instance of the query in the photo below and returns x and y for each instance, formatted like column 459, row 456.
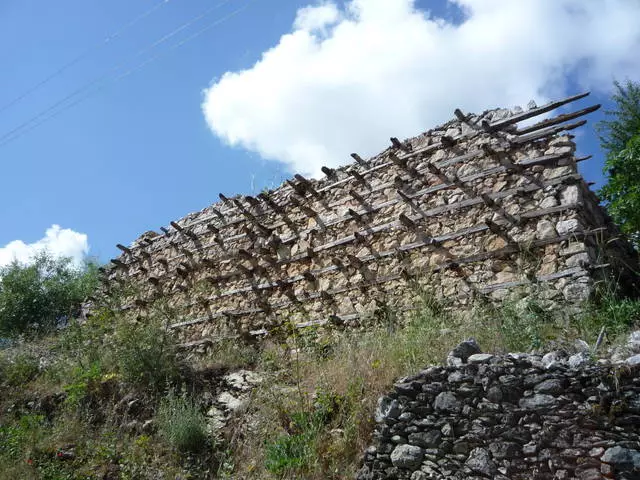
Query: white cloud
column 60, row 242
column 346, row 80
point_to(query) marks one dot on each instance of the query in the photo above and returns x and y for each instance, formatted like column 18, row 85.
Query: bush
column 146, row 354
column 181, row 423
column 21, row 369
column 40, row 295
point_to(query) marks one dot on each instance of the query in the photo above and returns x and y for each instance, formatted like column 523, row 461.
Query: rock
column 537, row 401
column 633, row 361
column 552, row 359
column 429, row 439
column 407, row 456
column 243, row 379
column 480, row 358
column 502, row 450
column 387, row 408
column 567, row 226
column 622, row 458
column 465, row 349
column 447, row 401
column 578, row 359
column 230, row 402
column 552, row 386
column 419, row 475
column 545, row 229
column 480, row 461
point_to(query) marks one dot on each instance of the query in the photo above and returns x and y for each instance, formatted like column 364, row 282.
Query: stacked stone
column 514, row 416
column 475, row 207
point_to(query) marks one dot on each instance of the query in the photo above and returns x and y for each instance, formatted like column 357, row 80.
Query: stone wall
column 478, row 207
column 514, row 416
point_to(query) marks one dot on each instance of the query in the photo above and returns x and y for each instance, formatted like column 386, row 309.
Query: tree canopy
column 37, row 295
column 620, row 138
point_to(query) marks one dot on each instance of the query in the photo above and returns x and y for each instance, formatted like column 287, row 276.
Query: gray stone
column 387, row 408
column 407, row 456
column 567, row 226
column 552, row 386
column 578, row 359
column 538, row 401
column 545, row 229
column 429, row 439
column 633, row 361
column 552, row 358
column 479, row 358
column 447, row 401
column 480, row 461
column 419, row 475
column 622, row 457
column 465, row 349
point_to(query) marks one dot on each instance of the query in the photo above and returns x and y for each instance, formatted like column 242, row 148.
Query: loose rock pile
column 513, row 416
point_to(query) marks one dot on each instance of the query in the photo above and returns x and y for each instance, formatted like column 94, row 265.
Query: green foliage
column 39, row 295
column 620, row 138
column 296, row 449
column 146, row 354
column 623, row 123
column 181, row 423
column 622, row 191
column 85, row 381
column 19, row 370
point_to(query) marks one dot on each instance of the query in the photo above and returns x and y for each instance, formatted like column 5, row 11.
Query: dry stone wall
column 477, row 207
column 511, row 417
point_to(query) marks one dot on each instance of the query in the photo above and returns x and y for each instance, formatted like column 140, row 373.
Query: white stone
column 567, row 226
column 545, row 229
column 570, row 195
column 549, row 202
column 480, row 358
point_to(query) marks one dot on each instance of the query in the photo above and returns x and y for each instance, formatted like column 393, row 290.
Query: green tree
column 37, row 295
column 620, row 138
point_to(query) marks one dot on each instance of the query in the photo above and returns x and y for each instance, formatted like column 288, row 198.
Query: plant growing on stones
column 181, row 423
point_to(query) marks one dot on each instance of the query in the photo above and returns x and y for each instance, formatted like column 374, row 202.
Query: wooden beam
column 556, row 120
column 124, row 249
column 358, row 159
column 329, row 172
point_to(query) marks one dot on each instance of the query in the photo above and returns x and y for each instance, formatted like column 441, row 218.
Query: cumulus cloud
column 347, row 78
column 59, row 242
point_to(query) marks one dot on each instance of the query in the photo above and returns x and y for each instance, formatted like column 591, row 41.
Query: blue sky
column 145, row 149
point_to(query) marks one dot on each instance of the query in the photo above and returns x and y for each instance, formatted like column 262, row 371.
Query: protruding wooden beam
column 582, row 159
column 358, row 177
column 307, row 185
column 223, row 197
column 119, row 263
column 217, row 213
column 397, row 144
column 329, row 172
column 123, row 248
column 213, row 228
column 559, row 119
column 164, row 230
column 358, row 159
column 460, row 116
column 355, row 215
column 270, row 203
column 309, row 276
column 447, row 141
column 252, row 201
column 337, row 262
column 548, row 132
column 535, row 112
column 360, row 199
column 176, row 226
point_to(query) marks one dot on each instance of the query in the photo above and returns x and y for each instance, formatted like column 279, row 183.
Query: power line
column 93, row 86
column 82, row 56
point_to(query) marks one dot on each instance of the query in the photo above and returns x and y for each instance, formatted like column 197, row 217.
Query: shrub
column 146, row 354
column 39, row 295
column 181, row 423
column 21, row 369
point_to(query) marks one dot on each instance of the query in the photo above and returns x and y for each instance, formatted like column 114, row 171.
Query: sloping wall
column 510, row 417
column 476, row 207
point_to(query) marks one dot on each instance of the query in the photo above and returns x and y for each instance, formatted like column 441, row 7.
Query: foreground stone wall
column 475, row 208
column 511, row 416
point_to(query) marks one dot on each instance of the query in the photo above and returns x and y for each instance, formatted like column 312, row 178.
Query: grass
column 311, row 418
